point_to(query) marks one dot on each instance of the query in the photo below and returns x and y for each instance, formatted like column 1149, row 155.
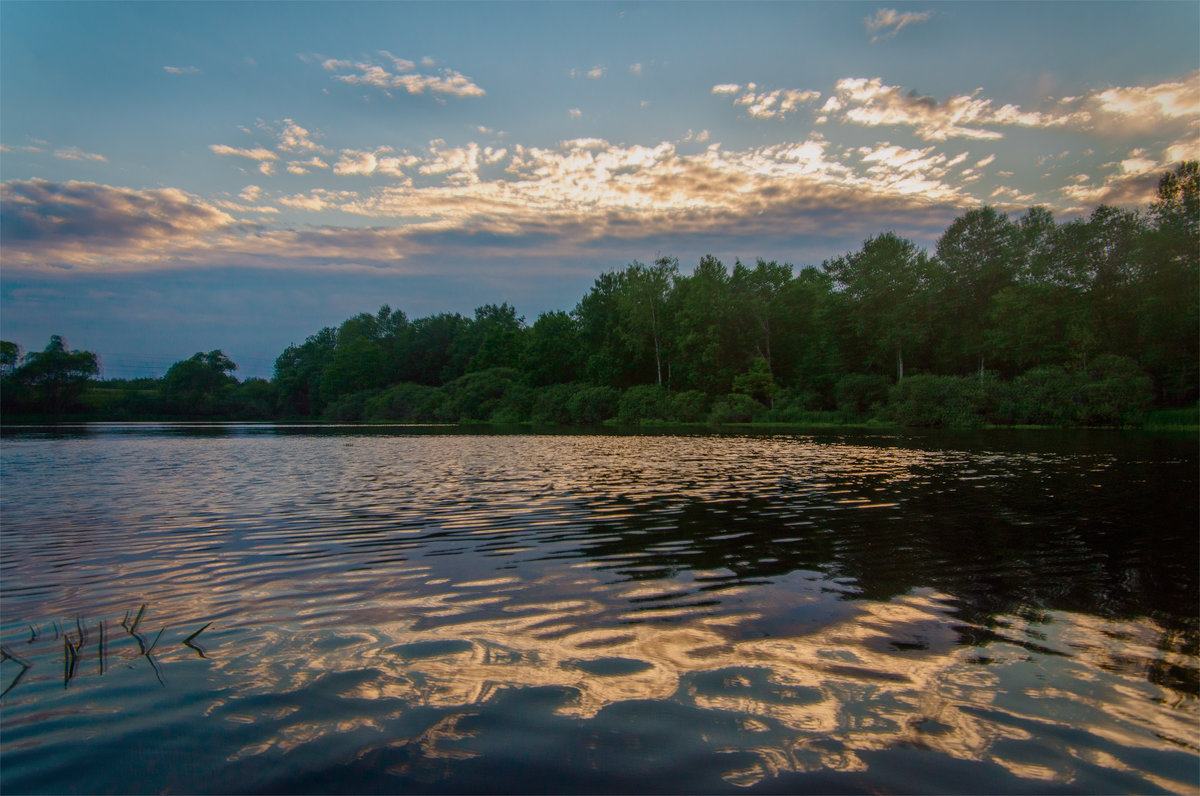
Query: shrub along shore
column 1091, row 322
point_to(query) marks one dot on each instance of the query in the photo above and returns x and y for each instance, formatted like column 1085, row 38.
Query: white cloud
column 575, row 113
column 294, row 138
column 258, row 153
column 1175, row 100
column 596, row 72
column 100, row 227
column 1011, row 196
column 726, row 88
column 318, row 200
column 870, row 103
column 446, row 81
column 636, row 70
column 181, row 70
column 1186, row 148
column 75, row 153
column 251, row 193
column 890, row 20
column 381, row 160
column 774, row 104
column 304, row 166
column 1130, row 181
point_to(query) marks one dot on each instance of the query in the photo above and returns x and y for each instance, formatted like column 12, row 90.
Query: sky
column 181, row 177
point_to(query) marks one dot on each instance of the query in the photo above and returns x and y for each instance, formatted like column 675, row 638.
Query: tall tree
column 553, row 354
column 975, row 261
column 498, row 338
column 195, row 386
column 756, row 294
column 299, row 370
column 702, row 318
column 57, row 375
column 884, row 282
column 643, row 296
column 1169, row 289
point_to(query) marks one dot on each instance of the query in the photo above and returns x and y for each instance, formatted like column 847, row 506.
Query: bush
column 350, row 407
column 552, row 404
column 795, row 406
column 407, row 402
column 935, row 401
column 1117, row 393
column 592, row 405
column 735, row 408
column 1111, row 391
column 860, row 394
column 481, row 394
column 691, row 406
column 644, row 402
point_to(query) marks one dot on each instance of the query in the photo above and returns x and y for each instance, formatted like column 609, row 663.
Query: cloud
column 305, row 166
column 81, row 224
column 446, row 81
column 596, row 72
column 575, row 113
column 460, row 164
column 1130, row 181
column 890, row 20
column 75, row 153
column 182, row 70
column 1186, row 148
column 294, row 138
column 1172, row 107
column 317, row 200
column 870, row 103
column 381, row 160
column 1163, row 101
column 572, row 199
column 636, row 70
column 258, row 153
column 767, row 105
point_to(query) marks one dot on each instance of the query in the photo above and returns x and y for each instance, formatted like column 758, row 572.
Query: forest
column 1093, row 321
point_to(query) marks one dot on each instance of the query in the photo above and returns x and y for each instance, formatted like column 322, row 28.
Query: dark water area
column 316, row 609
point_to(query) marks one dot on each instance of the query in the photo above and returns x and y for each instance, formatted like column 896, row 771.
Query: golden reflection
column 877, row 676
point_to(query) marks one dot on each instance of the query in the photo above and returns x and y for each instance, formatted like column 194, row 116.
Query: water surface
column 400, row 610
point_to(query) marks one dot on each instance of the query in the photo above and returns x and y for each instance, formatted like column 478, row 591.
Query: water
column 386, row 610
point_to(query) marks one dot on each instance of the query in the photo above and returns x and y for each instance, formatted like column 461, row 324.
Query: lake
column 284, row 609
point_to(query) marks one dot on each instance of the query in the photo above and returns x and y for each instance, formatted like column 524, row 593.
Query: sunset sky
column 181, row 177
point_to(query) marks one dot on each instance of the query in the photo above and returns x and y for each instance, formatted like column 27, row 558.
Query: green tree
column 884, row 282
column 553, row 354
column 609, row 359
column 56, row 376
column 756, row 293
column 196, row 386
column 642, row 300
column 10, row 355
column 812, row 329
column 976, row 259
column 757, row 382
column 1169, row 288
column 498, row 337
column 704, row 339
column 299, row 371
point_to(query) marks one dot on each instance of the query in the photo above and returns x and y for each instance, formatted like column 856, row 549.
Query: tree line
column 1026, row 320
